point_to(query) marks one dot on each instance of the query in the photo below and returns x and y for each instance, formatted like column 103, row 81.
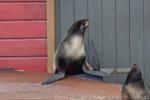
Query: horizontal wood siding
column 25, row 63
column 22, row 29
column 23, row 38
column 23, row 47
column 22, row 11
column 22, row 0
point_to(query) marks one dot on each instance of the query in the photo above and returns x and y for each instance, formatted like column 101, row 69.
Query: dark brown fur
column 66, row 63
column 134, row 88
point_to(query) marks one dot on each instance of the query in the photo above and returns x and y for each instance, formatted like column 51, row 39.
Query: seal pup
column 69, row 58
column 134, row 87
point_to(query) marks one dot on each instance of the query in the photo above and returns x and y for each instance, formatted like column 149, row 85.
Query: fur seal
column 69, row 58
column 134, row 87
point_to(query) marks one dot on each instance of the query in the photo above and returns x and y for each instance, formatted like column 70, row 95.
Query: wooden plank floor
column 27, row 86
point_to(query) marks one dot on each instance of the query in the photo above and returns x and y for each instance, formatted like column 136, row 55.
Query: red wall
column 23, row 34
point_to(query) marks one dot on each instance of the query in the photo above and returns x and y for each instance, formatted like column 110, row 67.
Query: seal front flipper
column 95, row 73
column 125, row 94
column 55, row 77
column 91, row 71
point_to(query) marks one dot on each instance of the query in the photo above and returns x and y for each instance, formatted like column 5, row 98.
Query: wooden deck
column 26, row 86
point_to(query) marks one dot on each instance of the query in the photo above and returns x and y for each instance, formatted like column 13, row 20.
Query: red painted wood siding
column 37, row 64
column 23, row 34
column 22, row 29
column 22, row 11
column 21, row 0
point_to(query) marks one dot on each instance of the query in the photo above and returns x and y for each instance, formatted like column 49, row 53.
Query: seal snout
column 135, row 68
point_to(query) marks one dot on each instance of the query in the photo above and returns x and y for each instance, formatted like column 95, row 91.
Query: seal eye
column 83, row 24
column 79, row 26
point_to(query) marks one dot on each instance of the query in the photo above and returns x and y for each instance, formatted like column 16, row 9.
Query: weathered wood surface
column 27, row 85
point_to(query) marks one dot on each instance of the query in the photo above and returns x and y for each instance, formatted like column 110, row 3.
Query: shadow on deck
column 27, row 86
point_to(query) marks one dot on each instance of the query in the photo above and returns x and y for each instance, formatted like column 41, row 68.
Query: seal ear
column 75, row 27
column 78, row 27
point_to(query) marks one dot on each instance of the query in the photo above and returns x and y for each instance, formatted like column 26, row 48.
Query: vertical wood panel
column 122, row 30
column 136, row 32
column 66, row 15
column 80, row 9
column 109, row 45
column 147, row 41
column 57, row 21
column 95, row 28
column 50, row 33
